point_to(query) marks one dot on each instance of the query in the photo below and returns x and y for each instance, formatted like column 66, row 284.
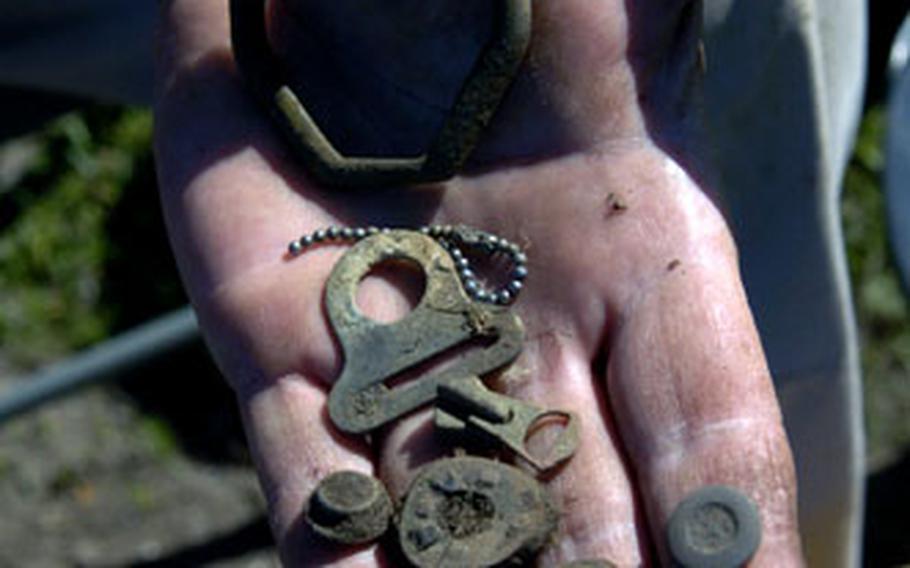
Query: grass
column 161, row 436
column 882, row 310
column 81, row 237
column 54, row 246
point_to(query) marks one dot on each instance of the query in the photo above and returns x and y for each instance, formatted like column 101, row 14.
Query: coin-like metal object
column 474, row 512
column 715, row 526
column 477, row 101
column 589, row 564
column 376, row 353
column 349, row 507
column 467, row 406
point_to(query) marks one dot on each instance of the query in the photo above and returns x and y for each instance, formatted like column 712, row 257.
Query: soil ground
column 94, row 481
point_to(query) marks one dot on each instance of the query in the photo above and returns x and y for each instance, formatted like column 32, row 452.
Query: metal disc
column 715, row 526
column 469, row 511
column 349, row 507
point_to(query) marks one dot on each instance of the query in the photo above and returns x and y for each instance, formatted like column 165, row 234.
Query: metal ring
column 477, row 102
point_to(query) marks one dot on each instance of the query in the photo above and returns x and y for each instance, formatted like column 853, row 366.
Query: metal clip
column 466, row 405
column 361, row 400
column 480, row 96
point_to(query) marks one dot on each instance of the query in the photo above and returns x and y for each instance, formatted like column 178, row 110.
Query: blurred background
column 153, row 470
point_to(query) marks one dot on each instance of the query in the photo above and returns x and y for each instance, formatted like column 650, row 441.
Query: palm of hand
column 635, row 317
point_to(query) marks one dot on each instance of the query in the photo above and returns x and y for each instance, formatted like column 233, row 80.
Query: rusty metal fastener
column 480, row 96
column 374, row 352
column 475, row 512
column 467, row 406
column 349, row 507
column 362, row 400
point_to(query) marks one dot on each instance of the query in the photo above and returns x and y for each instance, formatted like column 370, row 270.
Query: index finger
column 229, row 214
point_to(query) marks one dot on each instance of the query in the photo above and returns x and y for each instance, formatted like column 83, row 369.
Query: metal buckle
column 374, row 353
column 480, row 96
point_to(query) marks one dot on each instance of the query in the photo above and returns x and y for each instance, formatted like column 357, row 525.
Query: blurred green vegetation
column 882, row 311
column 84, row 255
column 66, row 235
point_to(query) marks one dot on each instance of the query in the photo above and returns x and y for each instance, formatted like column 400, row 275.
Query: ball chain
column 453, row 238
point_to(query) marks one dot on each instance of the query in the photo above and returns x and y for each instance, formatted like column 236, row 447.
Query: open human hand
column 635, row 315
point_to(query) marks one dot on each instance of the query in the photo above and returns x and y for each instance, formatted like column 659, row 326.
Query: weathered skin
column 635, row 315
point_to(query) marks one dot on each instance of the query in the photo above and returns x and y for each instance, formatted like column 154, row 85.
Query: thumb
column 188, row 30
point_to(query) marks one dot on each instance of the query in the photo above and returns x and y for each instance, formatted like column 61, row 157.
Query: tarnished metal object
column 467, row 406
column 375, row 353
column 480, row 96
column 349, row 507
column 474, row 512
column 715, row 526
column 589, row 564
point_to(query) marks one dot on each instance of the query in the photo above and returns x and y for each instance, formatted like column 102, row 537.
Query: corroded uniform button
column 350, row 508
column 714, row 527
column 475, row 512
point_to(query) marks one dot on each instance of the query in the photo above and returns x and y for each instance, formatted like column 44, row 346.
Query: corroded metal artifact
column 349, row 507
column 480, row 96
column 589, row 564
column 473, row 512
column 714, row 527
column 462, row 511
column 376, row 353
column 466, row 406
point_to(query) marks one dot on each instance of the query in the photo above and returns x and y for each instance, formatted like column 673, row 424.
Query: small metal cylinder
column 349, row 507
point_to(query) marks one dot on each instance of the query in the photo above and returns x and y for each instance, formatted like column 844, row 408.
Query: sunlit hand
column 635, row 315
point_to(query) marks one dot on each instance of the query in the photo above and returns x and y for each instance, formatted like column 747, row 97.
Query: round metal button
column 349, row 507
column 715, row 526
